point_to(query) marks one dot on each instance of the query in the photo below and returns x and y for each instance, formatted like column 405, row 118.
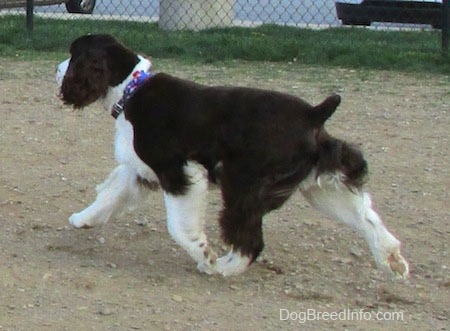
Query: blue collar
column 139, row 78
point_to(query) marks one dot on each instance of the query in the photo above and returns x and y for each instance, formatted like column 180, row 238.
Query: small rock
column 47, row 276
column 105, row 312
column 356, row 251
column 177, row 298
column 141, row 222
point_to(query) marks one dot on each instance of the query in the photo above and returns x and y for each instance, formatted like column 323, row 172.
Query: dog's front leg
column 116, row 193
column 186, row 218
column 354, row 208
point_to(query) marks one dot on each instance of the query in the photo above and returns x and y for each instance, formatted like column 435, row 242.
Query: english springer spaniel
column 259, row 145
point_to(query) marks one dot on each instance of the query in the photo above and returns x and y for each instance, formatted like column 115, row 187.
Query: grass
column 416, row 51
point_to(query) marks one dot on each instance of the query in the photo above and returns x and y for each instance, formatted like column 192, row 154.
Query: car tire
column 80, row 6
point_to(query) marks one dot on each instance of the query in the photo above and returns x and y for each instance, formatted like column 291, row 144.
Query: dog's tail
column 335, row 155
column 324, row 110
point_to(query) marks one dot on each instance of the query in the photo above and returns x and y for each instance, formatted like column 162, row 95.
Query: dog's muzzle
column 61, row 71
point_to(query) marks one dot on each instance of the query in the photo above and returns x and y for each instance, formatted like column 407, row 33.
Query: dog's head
column 96, row 63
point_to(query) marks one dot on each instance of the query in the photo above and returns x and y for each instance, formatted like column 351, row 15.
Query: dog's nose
column 61, row 70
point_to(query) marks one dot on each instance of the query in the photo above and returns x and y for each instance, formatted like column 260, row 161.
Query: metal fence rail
column 202, row 14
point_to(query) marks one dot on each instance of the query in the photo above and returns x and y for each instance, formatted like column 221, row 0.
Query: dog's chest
column 124, row 149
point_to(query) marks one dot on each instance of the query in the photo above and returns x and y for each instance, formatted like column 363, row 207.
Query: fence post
column 195, row 14
column 30, row 13
column 445, row 26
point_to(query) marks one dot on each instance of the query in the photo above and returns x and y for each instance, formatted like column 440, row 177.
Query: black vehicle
column 392, row 11
column 72, row 6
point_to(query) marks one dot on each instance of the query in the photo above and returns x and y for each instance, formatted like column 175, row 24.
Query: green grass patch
column 343, row 47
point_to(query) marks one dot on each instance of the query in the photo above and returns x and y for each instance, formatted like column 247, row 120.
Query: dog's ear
column 122, row 59
column 97, row 59
column 86, row 79
column 97, row 69
column 324, row 110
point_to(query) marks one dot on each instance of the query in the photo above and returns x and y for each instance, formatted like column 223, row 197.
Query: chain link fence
column 202, row 14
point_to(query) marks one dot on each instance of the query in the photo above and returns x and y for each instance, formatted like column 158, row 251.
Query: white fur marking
column 115, row 93
column 234, row 263
column 336, row 200
column 61, row 71
column 124, row 149
column 119, row 191
column 186, row 218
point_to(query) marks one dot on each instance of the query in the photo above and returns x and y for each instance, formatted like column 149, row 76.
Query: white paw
column 396, row 265
column 234, row 263
column 207, row 268
column 208, row 264
column 79, row 222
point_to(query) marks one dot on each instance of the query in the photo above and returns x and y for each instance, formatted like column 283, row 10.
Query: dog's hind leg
column 186, row 217
column 240, row 221
column 122, row 189
column 247, row 198
column 352, row 206
column 244, row 234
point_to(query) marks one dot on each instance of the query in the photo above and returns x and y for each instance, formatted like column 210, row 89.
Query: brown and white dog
column 177, row 134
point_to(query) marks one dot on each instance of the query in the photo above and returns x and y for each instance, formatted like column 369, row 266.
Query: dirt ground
column 130, row 275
